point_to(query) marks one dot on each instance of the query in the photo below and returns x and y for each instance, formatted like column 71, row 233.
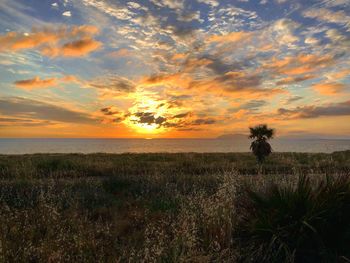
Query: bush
column 308, row 222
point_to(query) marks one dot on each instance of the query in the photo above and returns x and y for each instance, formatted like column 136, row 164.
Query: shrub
column 307, row 222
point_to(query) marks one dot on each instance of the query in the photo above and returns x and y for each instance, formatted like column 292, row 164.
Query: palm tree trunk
column 260, row 168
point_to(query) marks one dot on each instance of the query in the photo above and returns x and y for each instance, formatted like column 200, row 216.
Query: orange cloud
column 301, row 64
column 237, row 84
column 179, row 56
column 71, row 78
column 176, row 79
column 292, row 80
column 230, row 37
column 330, row 88
column 36, row 83
column 240, row 114
column 195, row 63
column 266, row 47
column 233, row 89
column 80, row 47
column 338, row 75
column 75, row 41
column 234, row 84
column 37, row 39
column 84, row 30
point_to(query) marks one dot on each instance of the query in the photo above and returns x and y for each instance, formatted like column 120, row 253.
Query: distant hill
column 233, row 137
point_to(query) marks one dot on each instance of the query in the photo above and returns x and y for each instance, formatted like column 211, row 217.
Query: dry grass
column 136, row 207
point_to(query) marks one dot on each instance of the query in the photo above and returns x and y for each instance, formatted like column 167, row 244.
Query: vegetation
column 174, row 208
column 260, row 147
column 306, row 222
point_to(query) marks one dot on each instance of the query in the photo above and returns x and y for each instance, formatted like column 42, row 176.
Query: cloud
column 329, row 88
column 251, row 106
column 177, row 5
column 79, row 48
column 118, row 119
column 181, row 31
column 338, row 75
column 337, row 38
column 239, row 80
column 109, row 111
column 167, row 121
column 334, row 3
column 175, row 101
column 220, row 81
column 334, row 109
column 113, row 115
column 179, row 56
column 179, row 72
column 181, row 115
column 72, row 79
column 13, row 41
column 134, row 5
column 206, row 121
column 230, row 37
column 292, row 80
column 311, row 41
column 190, row 16
column 61, row 41
column 236, row 83
column 284, row 31
column 323, row 14
column 115, row 10
column 213, row 3
column 188, row 124
column 300, row 64
column 229, row 18
column 113, row 83
column 195, row 63
column 175, row 79
column 67, row 13
column 33, row 109
column 148, row 118
column 292, row 99
column 36, row 83
column 18, row 122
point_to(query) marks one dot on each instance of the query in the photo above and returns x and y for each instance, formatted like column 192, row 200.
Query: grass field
column 186, row 207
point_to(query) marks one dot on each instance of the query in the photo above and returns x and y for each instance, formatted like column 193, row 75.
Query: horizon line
column 337, row 137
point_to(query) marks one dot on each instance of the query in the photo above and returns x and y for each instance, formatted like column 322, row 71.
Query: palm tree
column 260, row 147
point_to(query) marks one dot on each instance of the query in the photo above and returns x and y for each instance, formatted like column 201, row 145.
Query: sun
column 145, row 112
column 145, row 128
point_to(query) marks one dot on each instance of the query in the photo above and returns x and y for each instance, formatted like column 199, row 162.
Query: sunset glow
column 170, row 69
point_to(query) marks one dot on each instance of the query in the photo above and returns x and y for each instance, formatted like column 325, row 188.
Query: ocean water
column 23, row 146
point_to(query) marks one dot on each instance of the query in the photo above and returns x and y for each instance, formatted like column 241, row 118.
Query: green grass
column 187, row 207
column 79, row 165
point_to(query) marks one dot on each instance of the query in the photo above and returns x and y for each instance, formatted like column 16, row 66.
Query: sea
column 28, row 146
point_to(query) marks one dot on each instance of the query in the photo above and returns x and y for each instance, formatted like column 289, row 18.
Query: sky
column 174, row 69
